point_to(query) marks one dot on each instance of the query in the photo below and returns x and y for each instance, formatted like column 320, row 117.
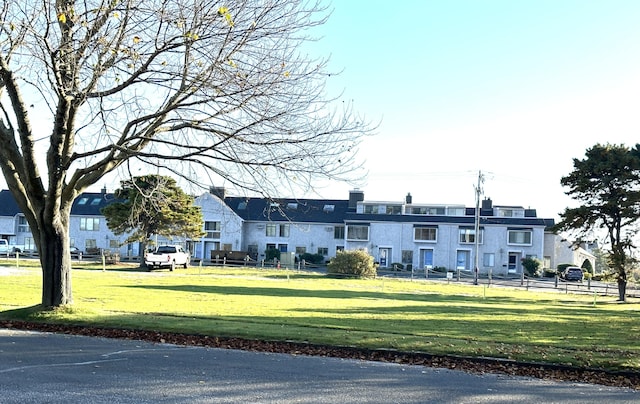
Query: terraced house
column 413, row 234
column 418, row 235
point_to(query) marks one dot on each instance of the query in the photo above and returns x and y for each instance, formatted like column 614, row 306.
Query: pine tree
column 153, row 205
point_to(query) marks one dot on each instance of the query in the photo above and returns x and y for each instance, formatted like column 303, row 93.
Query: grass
column 432, row 317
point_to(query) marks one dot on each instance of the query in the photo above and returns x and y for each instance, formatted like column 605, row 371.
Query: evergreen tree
column 607, row 185
column 153, row 205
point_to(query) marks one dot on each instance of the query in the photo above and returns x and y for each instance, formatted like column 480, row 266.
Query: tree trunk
column 55, row 259
column 622, row 289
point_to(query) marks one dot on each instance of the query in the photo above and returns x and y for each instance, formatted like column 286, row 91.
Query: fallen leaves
column 467, row 364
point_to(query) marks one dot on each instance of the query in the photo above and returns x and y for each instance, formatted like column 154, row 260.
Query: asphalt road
column 55, row 368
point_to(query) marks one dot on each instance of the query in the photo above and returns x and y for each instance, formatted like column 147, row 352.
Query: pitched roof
column 91, row 203
column 289, row 210
column 337, row 211
column 8, row 205
column 87, row 204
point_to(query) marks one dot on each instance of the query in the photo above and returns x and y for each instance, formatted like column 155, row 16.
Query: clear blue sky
column 513, row 88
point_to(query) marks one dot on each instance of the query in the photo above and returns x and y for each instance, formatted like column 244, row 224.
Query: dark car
column 572, row 274
column 76, row 252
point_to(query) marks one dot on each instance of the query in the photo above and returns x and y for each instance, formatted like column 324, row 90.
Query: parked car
column 76, row 252
column 572, row 274
column 167, row 256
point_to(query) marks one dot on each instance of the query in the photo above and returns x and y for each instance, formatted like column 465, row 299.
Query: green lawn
column 432, row 317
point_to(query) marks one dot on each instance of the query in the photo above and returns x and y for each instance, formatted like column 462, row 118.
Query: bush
column 272, row 253
column 356, row 263
column 549, row 273
column 312, row 258
column 531, row 266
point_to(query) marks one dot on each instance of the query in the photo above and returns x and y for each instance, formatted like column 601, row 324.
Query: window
column 329, row 208
column 271, row 230
column 90, row 244
column 271, row 246
column 427, row 210
column 425, row 233
column 90, row 223
column 242, row 205
column 467, row 235
column 283, row 248
column 394, row 209
column 374, row 209
column 339, row 248
column 489, row 259
column 212, row 229
column 407, row 256
column 323, row 251
column 227, row 247
column 83, row 201
column 96, row 201
column 292, row 206
column 356, row 232
column 114, row 243
column 338, row 232
column 455, row 212
column 522, row 237
column 301, row 250
column 284, row 230
column 506, row 212
column 23, row 226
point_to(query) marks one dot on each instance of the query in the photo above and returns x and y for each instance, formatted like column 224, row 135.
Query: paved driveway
column 53, row 368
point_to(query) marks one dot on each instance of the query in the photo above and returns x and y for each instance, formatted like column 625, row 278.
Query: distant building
column 415, row 234
column 419, row 235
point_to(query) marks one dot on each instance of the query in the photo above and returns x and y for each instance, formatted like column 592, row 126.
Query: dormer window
column 328, row 208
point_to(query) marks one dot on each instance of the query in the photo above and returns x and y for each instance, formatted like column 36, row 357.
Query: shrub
column 549, row 273
column 312, row 258
column 356, row 263
column 272, row 253
column 439, row 269
column 531, row 266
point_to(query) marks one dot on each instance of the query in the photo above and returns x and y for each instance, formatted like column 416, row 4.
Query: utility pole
column 476, row 236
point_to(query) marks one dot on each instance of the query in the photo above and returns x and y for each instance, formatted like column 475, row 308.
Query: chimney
column 408, row 199
column 487, row 204
column 355, row 196
column 218, row 191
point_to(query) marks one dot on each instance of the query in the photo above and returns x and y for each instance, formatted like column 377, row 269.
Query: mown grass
column 432, row 317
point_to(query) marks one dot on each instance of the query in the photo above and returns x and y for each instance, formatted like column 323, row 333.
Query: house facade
column 416, row 235
column 393, row 232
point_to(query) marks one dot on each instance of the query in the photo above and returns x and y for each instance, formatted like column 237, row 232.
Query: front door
column 514, row 259
column 385, row 256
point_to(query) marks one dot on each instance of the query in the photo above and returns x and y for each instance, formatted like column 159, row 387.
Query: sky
column 514, row 90
column 511, row 89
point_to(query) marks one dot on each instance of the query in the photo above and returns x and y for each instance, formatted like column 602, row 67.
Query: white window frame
column 353, row 232
column 467, row 236
column 90, row 223
column 271, row 230
column 427, row 239
column 515, row 241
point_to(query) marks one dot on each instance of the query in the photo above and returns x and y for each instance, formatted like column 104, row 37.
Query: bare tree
column 161, row 82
